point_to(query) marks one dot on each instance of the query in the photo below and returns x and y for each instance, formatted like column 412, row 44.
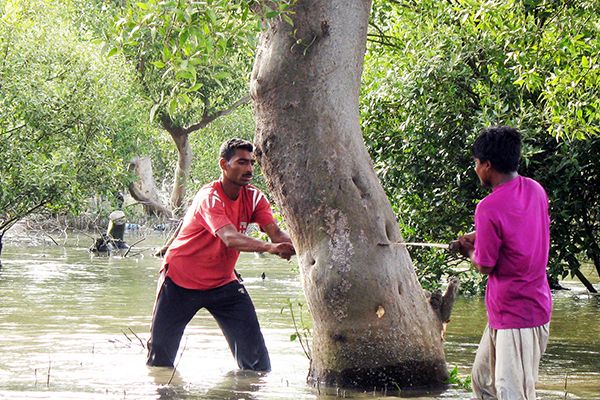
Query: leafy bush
column 69, row 117
column 438, row 72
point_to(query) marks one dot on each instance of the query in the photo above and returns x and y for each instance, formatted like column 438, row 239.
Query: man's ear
column 222, row 163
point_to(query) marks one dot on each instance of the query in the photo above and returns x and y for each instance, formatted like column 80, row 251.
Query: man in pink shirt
column 510, row 244
column 200, row 261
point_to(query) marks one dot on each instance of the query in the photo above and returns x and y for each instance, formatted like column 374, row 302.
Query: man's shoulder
column 254, row 197
column 485, row 204
column 490, row 204
column 252, row 191
column 489, row 200
column 208, row 188
column 533, row 184
column 211, row 193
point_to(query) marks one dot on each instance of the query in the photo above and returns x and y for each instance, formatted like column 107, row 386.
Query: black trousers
column 230, row 305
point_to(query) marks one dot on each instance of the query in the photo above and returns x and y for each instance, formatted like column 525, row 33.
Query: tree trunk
column 373, row 324
column 593, row 250
column 575, row 267
column 144, row 190
column 594, row 253
column 584, row 280
column 182, row 170
column 180, row 136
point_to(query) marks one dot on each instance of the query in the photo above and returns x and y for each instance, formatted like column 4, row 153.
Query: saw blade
column 436, row 245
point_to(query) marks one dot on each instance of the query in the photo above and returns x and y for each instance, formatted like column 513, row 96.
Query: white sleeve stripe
column 258, row 201
column 256, row 198
column 213, row 199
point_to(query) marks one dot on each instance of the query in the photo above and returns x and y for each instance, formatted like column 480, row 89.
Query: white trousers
column 507, row 363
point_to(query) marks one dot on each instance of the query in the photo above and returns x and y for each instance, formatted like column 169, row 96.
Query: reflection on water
column 74, row 327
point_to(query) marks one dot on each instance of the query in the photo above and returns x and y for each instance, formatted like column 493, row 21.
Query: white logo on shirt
column 256, row 197
column 213, row 199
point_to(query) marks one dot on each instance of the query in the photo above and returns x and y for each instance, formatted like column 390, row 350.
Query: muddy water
column 73, row 327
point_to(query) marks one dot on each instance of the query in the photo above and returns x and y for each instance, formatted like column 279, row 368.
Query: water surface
column 74, row 326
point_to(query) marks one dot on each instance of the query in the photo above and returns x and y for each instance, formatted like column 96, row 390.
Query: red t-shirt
column 198, row 258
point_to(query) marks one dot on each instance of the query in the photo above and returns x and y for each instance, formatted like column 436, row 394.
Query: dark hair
column 229, row 147
column 501, row 145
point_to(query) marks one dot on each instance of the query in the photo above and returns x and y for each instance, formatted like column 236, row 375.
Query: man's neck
column 500, row 178
column 231, row 189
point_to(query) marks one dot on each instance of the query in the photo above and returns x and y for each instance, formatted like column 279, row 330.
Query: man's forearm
column 241, row 242
column 281, row 237
column 482, row 269
column 276, row 234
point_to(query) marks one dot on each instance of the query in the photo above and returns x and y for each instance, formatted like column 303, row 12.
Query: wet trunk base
column 415, row 376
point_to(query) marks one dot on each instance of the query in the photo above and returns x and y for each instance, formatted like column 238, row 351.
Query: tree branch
column 208, row 118
column 16, row 128
column 382, row 42
column 7, row 224
column 383, row 38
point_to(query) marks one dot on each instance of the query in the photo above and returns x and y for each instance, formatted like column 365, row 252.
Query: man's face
column 239, row 169
column 482, row 169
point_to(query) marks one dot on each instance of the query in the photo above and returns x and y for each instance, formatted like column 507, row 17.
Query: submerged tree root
column 412, row 375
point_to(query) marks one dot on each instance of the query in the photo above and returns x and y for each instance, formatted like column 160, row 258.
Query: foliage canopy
column 192, row 58
column 68, row 116
column 438, row 72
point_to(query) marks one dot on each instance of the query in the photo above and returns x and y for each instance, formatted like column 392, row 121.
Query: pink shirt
column 512, row 228
column 198, row 258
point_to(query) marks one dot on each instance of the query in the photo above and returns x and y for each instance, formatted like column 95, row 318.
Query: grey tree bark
column 182, row 170
column 144, row 190
column 373, row 324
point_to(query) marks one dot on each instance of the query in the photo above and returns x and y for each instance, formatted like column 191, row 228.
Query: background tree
column 206, row 146
column 193, row 61
column 437, row 72
column 570, row 172
column 68, row 116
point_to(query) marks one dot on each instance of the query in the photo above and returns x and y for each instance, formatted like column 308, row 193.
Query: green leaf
column 212, row 15
column 172, row 106
column 166, row 52
column 184, row 99
column 222, row 75
column 158, row 64
column 183, row 37
column 134, row 30
column 288, row 19
column 184, row 74
column 195, row 88
column 112, row 52
column 585, row 63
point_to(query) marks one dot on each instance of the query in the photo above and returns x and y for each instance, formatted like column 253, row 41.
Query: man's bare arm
column 276, row 234
column 236, row 240
column 467, row 249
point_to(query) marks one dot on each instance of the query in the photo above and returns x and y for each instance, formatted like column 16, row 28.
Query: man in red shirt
column 199, row 264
